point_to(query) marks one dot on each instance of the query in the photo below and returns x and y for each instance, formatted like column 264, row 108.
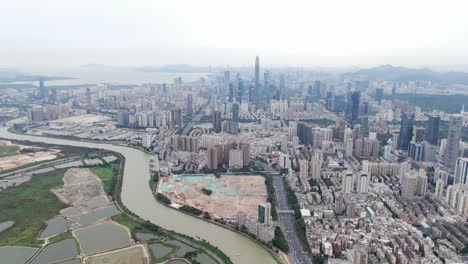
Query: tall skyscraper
column 355, row 106
column 453, row 141
column 189, row 105
column 267, row 94
column 432, row 132
column 227, row 77
column 240, row 90
column 379, row 93
column 42, row 89
column 317, row 92
column 282, row 85
column 406, row 130
column 419, row 134
column 88, row 97
column 231, row 93
column 257, row 82
column 216, row 121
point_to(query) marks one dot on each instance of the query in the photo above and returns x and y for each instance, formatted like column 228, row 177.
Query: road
column 286, row 220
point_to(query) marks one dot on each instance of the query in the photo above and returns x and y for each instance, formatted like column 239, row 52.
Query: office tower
column 267, row 94
column 330, row 100
column 355, row 106
column 189, row 105
column 264, row 213
column 419, row 134
column 231, row 93
column 240, row 91
column 415, row 151
column 461, row 171
column 341, row 124
column 453, row 141
column 216, row 121
column 406, row 130
column 164, row 87
column 233, row 124
column 227, row 77
column 379, row 93
column 88, row 97
column 394, row 91
column 432, row 132
column 282, row 87
column 257, row 82
column 42, row 89
column 317, row 93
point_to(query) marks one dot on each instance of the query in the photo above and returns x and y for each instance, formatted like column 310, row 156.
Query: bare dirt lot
column 10, row 157
column 230, row 194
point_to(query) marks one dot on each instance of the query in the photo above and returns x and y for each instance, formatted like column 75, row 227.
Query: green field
column 29, row 205
column 6, row 151
column 107, row 173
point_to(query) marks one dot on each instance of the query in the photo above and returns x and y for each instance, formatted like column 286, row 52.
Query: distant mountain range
column 402, row 74
column 174, row 68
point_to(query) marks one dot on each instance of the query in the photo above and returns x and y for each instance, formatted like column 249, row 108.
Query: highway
column 286, row 220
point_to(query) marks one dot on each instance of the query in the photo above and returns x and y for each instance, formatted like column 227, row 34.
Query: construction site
column 221, row 197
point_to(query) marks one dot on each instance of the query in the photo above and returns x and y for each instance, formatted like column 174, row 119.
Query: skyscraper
column 282, row 85
column 233, row 124
column 216, row 121
column 189, row 105
column 88, row 97
column 42, row 89
column 453, row 141
column 317, row 92
column 379, row 93
column 240, row 91
column 227, row 77
column 355, row 106
column 267, row 94
column 257, row 81
column 432, row 134
column 406, row 130
column 231, row 93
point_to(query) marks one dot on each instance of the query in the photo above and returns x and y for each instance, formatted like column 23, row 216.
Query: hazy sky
column 208, row 32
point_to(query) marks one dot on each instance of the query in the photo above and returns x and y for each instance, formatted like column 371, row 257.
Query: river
column 137, row 197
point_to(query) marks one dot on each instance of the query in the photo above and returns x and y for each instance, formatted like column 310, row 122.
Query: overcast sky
column 213, row 32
